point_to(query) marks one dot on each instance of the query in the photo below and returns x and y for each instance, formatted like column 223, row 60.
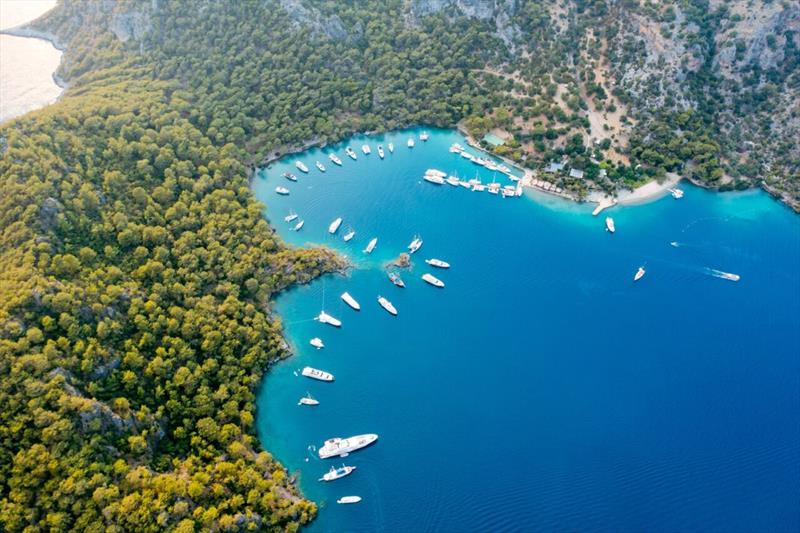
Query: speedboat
column 435, row 172
column 365, row 149
column 325, row 318
column 386, row 304
column 289, row 176
column 639, row 274
column 320, row 166
column 610, row 225
column 396, row 279
column 436, row 180
column 317, row 343
column 308, row 400
column 334, row 227
column 433, row 280
column 452, row 180
column 314, row 373
column 336, row 473
column 371, row 245
column 349, row 235
column 349, row 151
column 348, row 499
column 423, row 136
column 349, row 300
column 299, row 225
column 282, row 190
column 415, row 245
column 676, row 193
column 438, row 263
column 380, row 151
column 725, row 275
column 335, row 160
column 337, row 446
column 410, row 143
column 291, row 216
column 391, row 148
column 301, row 167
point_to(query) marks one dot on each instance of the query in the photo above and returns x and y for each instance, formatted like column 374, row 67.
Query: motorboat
column 415, row 245
column 452, row 180
column 335, row 160
column 289, row 176
column 676, row 193
column 349, row 235
column 390, row 146
column 423, row 136
column 371, row 245
column 349, row 300
column 365, row 148
column 380, row 151
column 438, row 263
column 291, row 216
column 386, row 304
column 317, row 374
column 436, row 180
column 320, row 166
column 349, row 151
column 334, row 226
column 308, row 400
column 610, row 225
column 456, row 148
column 337, row 473
column 282, row 190
column 639, row 274
column 435, row 172
column 348, row 499
column 325, row 318
column 301, row 167
column 410, row 143
column 299, row 225
column 317, row 343
column 339, row 447
column 396, row 279
column 433, row 280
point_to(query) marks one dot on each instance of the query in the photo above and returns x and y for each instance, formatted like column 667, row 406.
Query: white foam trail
column 722, row 275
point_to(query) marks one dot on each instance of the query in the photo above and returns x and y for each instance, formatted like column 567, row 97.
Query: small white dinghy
column 314, row 373
column 436, row 282
column 349, row 300
column 348, row 499
column 308, row 400
column 317, row 343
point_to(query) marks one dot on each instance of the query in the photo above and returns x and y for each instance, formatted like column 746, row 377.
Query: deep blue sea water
column 541, row 389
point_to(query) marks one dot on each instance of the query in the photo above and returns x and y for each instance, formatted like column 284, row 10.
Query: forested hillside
column 136, row 268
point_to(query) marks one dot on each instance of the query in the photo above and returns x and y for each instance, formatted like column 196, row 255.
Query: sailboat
column 308, row 400
column 349, row 235
column 291, row 216
column 299, row 225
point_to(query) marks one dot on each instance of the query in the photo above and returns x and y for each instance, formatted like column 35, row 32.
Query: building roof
column 493, row 139
column 554, row 167
column 575, row 173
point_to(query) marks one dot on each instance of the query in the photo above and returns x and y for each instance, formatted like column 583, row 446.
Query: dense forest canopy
column 137, row 268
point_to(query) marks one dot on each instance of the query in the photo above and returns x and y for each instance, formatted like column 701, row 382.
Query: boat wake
column 723, row 275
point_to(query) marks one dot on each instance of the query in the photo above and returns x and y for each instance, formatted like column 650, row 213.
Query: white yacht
column 365, row 148
column 334, row 227
column 308, row 400
column 452, row 180
column 391, row 148
column 348, row 499
column 291, row 216
column 386, row 304
column 610, row 225
column 335, row 160
column 349, row 151
column 423, row 136
column 438, row 263
column 282, row 190
column 435, row 172
column 456, row 148
column 676, row 193
column 410, row 143
column 371, row 245
column 301, row 167
column 433, row 280
column 325, row 318
column 314, row 373
column 336, row 473
column 349, row 235
column 289, row 176
column 349, row 300
column 639, row 274
column 436, row 180
column 317, row 343
column 380, row 151
column 415, row 245
column 320, row 166
column 337, row 446
column 299, row 225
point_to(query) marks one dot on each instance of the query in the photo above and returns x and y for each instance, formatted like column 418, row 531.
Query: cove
column 541, row 389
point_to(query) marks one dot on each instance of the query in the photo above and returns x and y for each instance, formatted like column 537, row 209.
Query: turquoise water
column 541, row 389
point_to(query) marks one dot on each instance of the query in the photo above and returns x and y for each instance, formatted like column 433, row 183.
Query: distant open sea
column 541, row 389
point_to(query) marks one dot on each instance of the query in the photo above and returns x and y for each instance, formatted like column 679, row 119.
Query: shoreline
column 26, row 32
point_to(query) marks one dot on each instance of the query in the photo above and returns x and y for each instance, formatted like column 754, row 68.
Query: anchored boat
column 438, row 263
column 291, row 216
column 639, row 274
column 308, row 400
column 289, row 176
column 337, row 446
column 334, row 226
column 380, row 151
column 386, row 304
column 349, row 300
column 610, row 225
column 335, row 160
column 365, row 148
column 320, row 166
column 395, row 278
column 436, row 282
column 415, row 244
column 282, row 190
column 349, row 499
column 319, row 375
column 337, row 473
column 301, row 167
column 371, row 245
column 317, row 343
column 391, row 148
column 325, row 318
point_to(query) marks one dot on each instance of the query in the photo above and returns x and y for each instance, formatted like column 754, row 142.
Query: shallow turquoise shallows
column 541, row 389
